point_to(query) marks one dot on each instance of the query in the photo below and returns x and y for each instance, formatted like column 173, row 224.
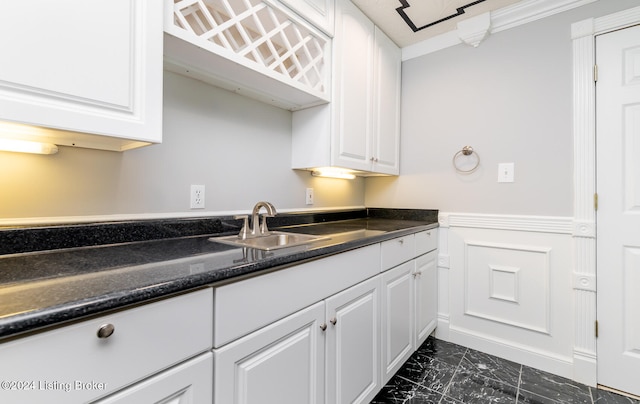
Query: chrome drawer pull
column 106, row 330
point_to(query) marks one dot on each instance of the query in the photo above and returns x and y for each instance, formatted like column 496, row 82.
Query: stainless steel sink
column 272, row 241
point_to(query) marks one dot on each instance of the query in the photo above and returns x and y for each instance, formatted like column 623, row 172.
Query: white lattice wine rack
column 258, row 34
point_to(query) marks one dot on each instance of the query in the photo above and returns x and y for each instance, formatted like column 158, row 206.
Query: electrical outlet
column 309, row 196
column 197, row 197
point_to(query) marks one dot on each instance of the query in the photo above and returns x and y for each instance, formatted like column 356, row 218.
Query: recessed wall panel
column 504, row 283
column 631, row 280
column 631, row 145
column 508, row 284
column 631, row 59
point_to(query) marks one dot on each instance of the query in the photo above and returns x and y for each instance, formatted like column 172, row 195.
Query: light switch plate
column 506, row 172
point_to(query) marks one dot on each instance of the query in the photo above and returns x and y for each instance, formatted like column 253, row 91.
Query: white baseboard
column 511, row 350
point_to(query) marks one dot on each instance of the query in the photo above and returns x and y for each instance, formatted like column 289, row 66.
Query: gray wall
column 238, row 148
column 511, row 99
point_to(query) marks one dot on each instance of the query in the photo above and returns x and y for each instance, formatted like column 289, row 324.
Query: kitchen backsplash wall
column 238, row 148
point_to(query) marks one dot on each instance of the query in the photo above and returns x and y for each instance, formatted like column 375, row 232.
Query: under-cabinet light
column 332, row 173
column 26, row 146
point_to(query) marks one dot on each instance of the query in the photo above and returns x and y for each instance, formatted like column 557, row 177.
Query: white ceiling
column 429, row 17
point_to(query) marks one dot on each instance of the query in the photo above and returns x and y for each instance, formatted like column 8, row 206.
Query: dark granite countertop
column 95, row 268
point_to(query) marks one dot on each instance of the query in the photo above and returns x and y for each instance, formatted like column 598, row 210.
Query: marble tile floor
column 440, row 372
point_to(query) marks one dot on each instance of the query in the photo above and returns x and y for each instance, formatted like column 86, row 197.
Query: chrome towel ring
column 466, row 151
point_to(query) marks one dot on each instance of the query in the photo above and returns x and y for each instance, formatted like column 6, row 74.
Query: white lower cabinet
column 331, row 347
column 425, row 281
column 341, row 349
column 353, row 344
column 91, row 359
column 397, row 318
column 187, row 383
column 282, row 363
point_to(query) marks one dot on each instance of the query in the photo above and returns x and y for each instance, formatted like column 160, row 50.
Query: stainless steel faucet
column 262, row 229
column 257, row 229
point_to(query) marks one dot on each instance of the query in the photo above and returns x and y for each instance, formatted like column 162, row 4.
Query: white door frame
column 584, row 165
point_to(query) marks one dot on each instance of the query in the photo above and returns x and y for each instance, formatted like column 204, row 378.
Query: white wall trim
column 584, row 117
column 539, row 359
column 584, row 228
column 500, row 20
column 528, row 11
column 60, row 220
column 544, row 224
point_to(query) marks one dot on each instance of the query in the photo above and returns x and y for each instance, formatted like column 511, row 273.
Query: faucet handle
column 245, row 226
column 263, row 223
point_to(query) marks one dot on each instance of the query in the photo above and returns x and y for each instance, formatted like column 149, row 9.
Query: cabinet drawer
column 73, row 365
column 245, row 306
column 426, row 241
column 395, row 252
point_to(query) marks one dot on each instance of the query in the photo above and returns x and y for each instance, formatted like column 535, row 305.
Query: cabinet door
column 282, row 363
column 188, row 383
column 397, row 318
column 388, row 59
column 318, row 12
column 353, row 344
column 426, row 295
column 353, row 90
column 83, row 66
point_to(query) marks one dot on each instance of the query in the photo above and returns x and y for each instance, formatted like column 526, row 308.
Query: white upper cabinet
column 318, row 12
column 257, row 48
column 360, row 129
column 386, row 115
column 82, row 69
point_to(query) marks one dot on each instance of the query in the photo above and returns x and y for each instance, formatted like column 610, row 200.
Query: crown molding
column 500, row 20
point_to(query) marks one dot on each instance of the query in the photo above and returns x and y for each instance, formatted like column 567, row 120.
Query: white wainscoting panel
column 509, row 286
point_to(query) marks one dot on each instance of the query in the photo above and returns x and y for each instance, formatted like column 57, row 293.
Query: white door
column 618, row 215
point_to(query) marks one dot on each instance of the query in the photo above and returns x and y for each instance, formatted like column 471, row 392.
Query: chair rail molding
column 583, row 34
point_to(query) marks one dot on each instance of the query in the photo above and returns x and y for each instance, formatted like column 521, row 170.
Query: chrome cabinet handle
column 401, row 241
column 415, row 275
column 105, row 331
column 323, row 326
column 333, row 321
